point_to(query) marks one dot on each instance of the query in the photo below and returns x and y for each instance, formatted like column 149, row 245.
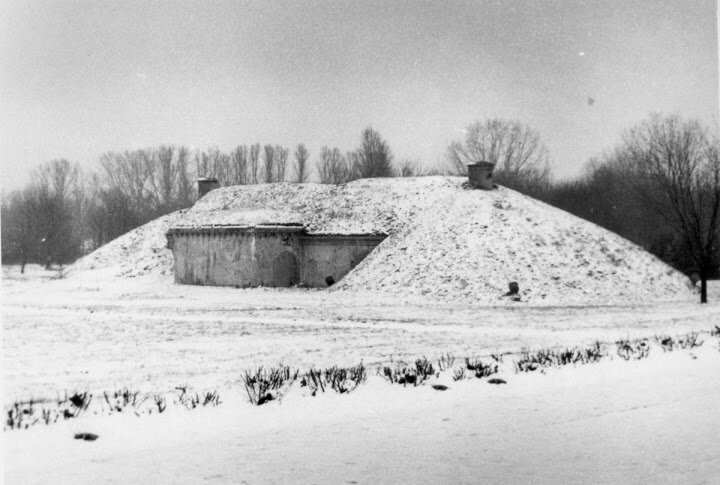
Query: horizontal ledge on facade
column 259, row 229
column 271, row 230
column 330, row 238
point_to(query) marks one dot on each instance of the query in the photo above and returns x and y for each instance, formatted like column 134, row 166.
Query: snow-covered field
column 434, row 287
column 651, row 420
column 96, row 333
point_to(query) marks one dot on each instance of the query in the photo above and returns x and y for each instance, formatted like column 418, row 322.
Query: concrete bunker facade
column 275, row 255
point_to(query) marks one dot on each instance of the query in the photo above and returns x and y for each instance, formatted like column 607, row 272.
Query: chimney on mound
column 480, row 175
column 206, row 184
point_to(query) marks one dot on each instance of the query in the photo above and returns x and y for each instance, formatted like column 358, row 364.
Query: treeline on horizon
column 66, row 212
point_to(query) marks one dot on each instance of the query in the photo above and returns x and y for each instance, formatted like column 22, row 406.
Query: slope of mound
column 475, row 243
column 449, row 243
column 446, row 242
column 139, row 252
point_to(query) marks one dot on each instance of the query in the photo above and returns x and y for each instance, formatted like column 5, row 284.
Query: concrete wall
column 332, row 256
column 480, row 175
column 236, row 257
column 264, row 256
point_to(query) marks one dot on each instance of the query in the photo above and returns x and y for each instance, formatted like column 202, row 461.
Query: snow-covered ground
column 653, row 420
column 115, row 320
column 99, row 332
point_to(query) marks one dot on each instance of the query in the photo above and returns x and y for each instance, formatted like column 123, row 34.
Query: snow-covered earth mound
column 446, row 242
column 142, row 251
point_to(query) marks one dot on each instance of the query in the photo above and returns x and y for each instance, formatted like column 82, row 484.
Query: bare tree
column 281, row 159
column 302, row 172
column 269, row 164
column 373, row 158
column 254, row 163
column 409, row 168
column 677, row 171
column 131, row 174
column 185, row 179
column 517, row 151
column 333, row 167
column 49, row 208
column 165, row 180
column 213, row 163
column 20, row 237
column 239, row 166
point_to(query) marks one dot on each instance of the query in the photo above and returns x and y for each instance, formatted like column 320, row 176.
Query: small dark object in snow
column 440, row 387
column 495, row 380
column 266, row 398
column 330, row 280
column 86, row 436
column 407, row 379
column 514, row 288
column 516, row 298
column 78, row 400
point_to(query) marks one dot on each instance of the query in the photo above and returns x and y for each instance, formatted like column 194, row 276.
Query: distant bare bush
column 479, row 368
column 632, row 349
column 340, row 380
column 265, row 385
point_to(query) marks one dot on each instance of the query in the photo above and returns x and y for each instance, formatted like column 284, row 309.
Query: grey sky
column 81, row 78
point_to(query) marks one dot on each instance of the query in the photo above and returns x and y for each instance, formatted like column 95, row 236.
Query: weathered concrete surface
column 326, row 256
column 275, row 256
column 236, row 256
column 480, row 175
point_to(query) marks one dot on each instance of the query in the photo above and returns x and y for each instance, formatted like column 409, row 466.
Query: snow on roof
column 367, row 206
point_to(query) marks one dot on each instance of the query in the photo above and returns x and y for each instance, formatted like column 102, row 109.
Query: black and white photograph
column 360, row 241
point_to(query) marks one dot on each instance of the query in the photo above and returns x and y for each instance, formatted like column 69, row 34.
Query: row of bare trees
column 64, row 212
column 659, row 187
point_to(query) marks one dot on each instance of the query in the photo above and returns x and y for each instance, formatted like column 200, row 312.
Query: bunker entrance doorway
column 285, row 269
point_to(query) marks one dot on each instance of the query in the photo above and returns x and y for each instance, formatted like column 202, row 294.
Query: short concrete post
column 206, row 184
column 480, row 175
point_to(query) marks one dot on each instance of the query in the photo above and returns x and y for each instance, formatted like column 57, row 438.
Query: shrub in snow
column 480, row 369
column 340, row 380
column 666, row 342
column 531, row 361
column 193, row 400
column 160, row 403
column 121, row 399
column 445, row 362
column 689, row 341
column 635, row 349
column 267, row 385
column 410, row 375
column 22, row 415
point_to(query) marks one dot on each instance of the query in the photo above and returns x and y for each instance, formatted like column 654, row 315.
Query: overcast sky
column 81, row 78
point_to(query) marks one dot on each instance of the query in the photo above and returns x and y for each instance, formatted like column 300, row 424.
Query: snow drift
column 446, row 242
